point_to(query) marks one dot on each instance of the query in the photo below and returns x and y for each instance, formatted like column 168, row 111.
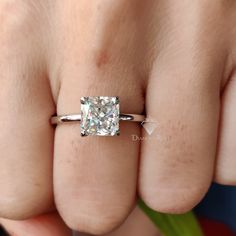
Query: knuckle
column 98, row 225
column 173, row 201
column 24, row 203
column 95, row 220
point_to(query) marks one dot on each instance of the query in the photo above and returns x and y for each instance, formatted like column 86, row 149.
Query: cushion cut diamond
column 100, row 116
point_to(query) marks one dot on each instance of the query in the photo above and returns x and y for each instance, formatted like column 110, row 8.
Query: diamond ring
column 99, row 116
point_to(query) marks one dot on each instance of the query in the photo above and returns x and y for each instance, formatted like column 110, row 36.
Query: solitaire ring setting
column 99, row 116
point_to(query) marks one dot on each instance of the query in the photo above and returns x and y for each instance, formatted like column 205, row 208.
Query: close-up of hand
column 51, row 225
column 172, row 61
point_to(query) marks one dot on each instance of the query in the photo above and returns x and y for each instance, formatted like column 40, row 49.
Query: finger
column 137, row 224
column 226, row 162
column 177, row 159
column 97, row 173
column 47, row 225
column 26, row 138
column 224, row 172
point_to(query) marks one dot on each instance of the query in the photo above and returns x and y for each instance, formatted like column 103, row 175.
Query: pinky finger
column 226, row 161
column 46, row 225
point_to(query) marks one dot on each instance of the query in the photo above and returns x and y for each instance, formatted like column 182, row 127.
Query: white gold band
column 55, row 120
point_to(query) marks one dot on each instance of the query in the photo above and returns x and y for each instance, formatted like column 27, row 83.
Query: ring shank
column 77, row 118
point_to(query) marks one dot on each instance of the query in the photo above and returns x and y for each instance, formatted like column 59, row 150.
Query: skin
column 47, row 224
column 137, row 224
column 172, row 60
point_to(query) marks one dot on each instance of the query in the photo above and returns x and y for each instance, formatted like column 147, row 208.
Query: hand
column 137, row 224
column 47, row 225
column 173, row 60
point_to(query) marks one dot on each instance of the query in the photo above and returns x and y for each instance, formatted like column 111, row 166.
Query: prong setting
column 83, row 134
column 117, row 100
column 82, row 100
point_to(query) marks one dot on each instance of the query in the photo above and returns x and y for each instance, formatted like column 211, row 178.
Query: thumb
column 47, row 225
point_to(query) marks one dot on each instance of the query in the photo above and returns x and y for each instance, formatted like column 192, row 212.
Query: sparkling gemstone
column 100, row 116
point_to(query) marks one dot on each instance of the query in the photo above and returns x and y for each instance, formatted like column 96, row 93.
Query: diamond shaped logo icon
column 149, row 125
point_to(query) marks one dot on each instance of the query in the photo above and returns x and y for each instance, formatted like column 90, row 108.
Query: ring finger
column 97, row 173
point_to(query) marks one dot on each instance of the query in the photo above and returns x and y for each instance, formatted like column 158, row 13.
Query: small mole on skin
column 102, row 59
